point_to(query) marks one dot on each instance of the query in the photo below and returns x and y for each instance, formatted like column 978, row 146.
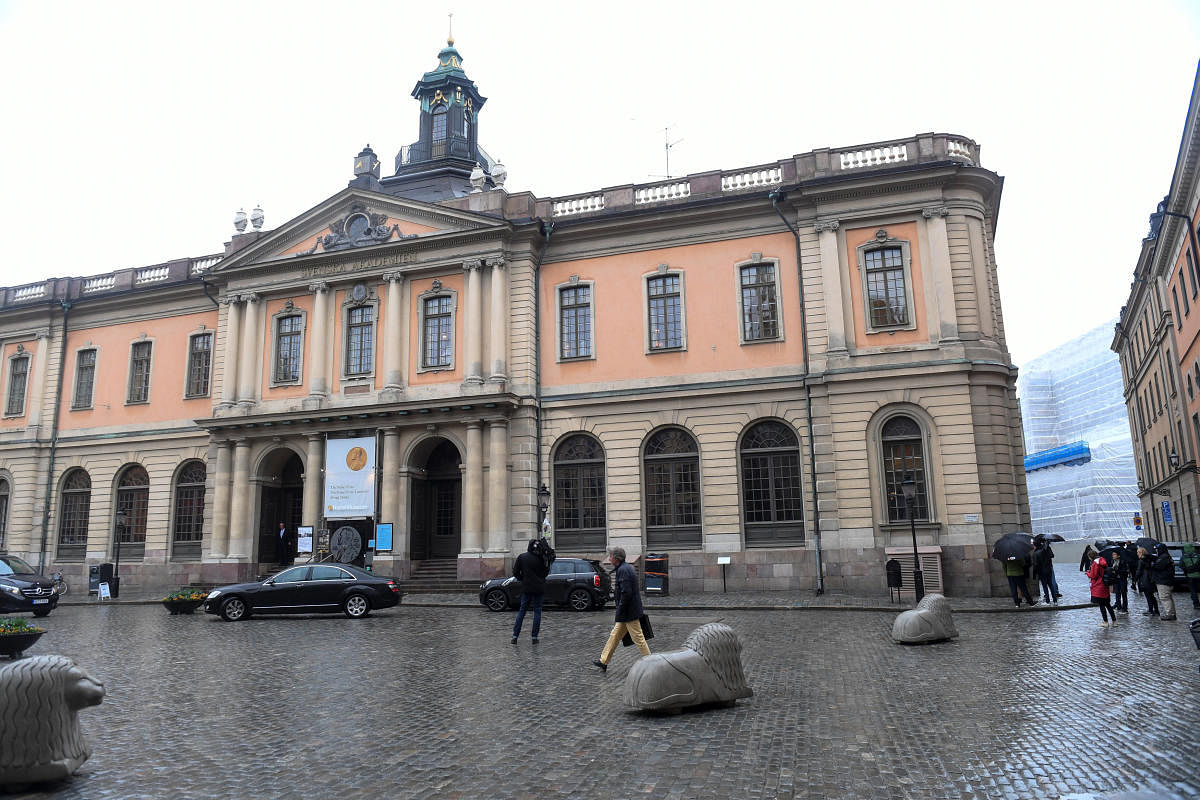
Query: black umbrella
column 1107, row 553
column 1146, row 542
column 1053, row 537
column 1012, row 546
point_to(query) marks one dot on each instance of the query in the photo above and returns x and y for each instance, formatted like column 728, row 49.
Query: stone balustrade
column 200, row 265
column 578, row 205
column 873, row 156
column 122, row 280
column 751, row 179
column 31, row 292
column 662, row 192
column 151, row 275
column 99, row 284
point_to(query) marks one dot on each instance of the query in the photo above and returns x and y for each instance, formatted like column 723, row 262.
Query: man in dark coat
column 531, row 569
column 1043, row 569
column 285, row 549
column 629, row 610
column 1145, row 581
column 1163, row 572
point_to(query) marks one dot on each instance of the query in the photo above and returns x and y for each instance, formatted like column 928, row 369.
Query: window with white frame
column 85, row 378
column 664, row 312
column 885, row 269
column 199, row 369
column 18, row 382
column 289, row 336
column 139, row 372
column 360, row 340
column 575, row 321
column 437, row 332
column 759, row 301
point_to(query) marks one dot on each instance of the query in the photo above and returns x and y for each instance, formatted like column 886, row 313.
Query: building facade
column 1158, row 341
column 749, row 363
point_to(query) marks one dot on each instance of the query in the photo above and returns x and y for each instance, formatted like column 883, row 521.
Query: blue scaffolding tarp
column 1073, row 453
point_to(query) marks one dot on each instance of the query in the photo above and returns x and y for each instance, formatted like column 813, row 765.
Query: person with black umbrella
column 1043, row 569
column 1120, row 586
column 1145, row 581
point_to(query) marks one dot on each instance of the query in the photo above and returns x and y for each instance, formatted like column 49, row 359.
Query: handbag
column 647, row 631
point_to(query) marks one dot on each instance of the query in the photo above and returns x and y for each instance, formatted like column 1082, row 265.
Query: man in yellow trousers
column 629, row 610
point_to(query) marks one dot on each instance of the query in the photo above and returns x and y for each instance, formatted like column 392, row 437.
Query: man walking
column 1163, row 572
column 629, row 610
column 531, row 569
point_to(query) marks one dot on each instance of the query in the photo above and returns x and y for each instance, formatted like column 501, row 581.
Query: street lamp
column 909, row 487
column 122, row 524
column 543, row 495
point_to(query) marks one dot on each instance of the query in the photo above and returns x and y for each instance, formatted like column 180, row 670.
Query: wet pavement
column 431, row 701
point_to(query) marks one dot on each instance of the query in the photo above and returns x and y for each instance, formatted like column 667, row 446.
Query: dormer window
column 466, row 128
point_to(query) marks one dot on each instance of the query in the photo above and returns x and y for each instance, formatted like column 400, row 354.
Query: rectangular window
column 288, row 332
column 139, row 373
column 1178, row 316
column 18, row 378
column 885, row 287
column 85, row 378
column 1187, row 309
column 759, row 306
column 199, row 364
column 438, row 336
column 575, row 322
column 1191, row 263
column 665, row 313
column 360, row 341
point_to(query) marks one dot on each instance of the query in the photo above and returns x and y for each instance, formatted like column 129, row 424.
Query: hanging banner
column 350, row 478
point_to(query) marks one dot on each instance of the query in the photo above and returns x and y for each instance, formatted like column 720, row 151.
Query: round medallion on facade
column 356, row 459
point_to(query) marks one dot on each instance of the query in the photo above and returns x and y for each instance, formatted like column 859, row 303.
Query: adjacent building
column 1158, row 341
column 753, row 363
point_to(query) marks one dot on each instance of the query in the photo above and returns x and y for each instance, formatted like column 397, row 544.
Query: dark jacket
column 1163, row 568
column 629, row 599
column 1089, row 555
column 1043, row 563
column 1190, row 561
column 531, row 570
column 1145, row 578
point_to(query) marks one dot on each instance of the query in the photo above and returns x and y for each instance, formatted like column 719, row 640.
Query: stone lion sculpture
column 929, row 622
column 707, row 670
column 39, row 701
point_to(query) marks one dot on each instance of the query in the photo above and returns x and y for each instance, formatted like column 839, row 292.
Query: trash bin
column 107, row 576
column 657, row 577
column 894, row 578
column 94, row 579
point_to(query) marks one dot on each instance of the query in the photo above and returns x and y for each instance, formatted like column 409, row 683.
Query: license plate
column 39, row 602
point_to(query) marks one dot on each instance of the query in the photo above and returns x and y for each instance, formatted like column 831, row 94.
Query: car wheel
column 496, row 600
column 579, row 599
column 234, row 609
column 356, row 606
column 42, row 612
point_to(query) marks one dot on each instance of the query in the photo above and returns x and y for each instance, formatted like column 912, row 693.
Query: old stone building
column 748, row 363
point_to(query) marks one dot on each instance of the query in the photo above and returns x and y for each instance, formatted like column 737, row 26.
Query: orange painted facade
column 856, row 237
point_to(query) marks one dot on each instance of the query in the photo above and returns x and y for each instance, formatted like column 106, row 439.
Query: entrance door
column 436, row 509
column 283, row 503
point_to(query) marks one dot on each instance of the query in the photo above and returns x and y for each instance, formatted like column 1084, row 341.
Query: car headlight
column 11, row 589
column 213, row 594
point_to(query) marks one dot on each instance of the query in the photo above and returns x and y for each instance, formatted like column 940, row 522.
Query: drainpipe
column 62, row 368
column 775, row 197
column 547, row 228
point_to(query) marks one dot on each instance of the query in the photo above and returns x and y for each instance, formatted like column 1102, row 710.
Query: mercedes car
column 23, row 589
column 307, row 589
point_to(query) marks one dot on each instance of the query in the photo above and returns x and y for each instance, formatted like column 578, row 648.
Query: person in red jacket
column 1100, row 593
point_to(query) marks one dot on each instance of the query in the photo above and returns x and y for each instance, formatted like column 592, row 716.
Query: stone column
column 985, row 300
column 37, row 379
column 831, row 280
column 498, row 337
column 314, row 481
column 472, row 529
column 240, row 522
column 498, row 495
column 473, row 323
column 402, row 527
column 945, row 324
column 389, row 511
column 318, row 370
column 231, row 343
column 393, row 335
column 248, row 375
column 219, row 544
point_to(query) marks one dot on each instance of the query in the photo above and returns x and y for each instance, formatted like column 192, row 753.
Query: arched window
column 904, row 458
column 579, row 495
column 133, row 499
column 439, row 130
column 4, row 494
column 771, row 493
column 672, row 467
column 188, row 526
column 73, row 517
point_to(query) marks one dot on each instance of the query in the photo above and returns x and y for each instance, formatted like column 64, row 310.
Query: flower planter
column 14, row 645
column 182, row 606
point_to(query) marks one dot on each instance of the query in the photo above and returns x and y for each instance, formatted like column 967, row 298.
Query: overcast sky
column 132, row 132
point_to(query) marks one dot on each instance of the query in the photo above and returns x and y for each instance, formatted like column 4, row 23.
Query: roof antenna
column 450, row 35
column 667, row 145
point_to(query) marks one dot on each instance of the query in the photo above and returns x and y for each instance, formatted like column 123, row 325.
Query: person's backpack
column 1190, row 562
column 1110, row 575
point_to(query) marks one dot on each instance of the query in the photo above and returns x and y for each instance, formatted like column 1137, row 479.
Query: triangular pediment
column 355, row 219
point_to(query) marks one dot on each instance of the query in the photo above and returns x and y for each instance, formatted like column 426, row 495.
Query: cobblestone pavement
column 433, row 702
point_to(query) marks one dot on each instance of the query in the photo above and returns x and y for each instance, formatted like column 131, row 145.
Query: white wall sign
column 304, row 539
column 350, row 478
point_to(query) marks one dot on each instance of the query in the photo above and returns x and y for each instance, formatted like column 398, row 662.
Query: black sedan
column 310, row 589
column 23, row 589
column 575, row 582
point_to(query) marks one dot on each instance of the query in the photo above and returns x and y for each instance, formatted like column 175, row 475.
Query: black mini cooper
column 23, row 589
column 578, row 583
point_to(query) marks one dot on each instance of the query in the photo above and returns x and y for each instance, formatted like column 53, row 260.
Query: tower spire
column 450, row 35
